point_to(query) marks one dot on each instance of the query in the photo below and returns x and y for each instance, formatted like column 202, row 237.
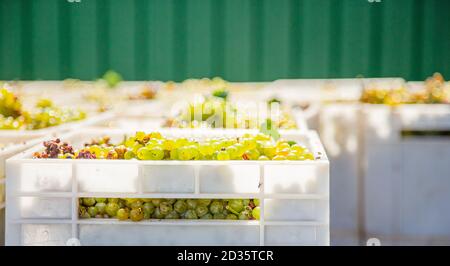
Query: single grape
column 89, row 202
column 256, row 202
column 136, row 215
column 100, row 207
column 165, row 208
column 263, row 158
column 93, row 211
column 223, row 156
column 129, row 155
column 172, row 215
column 203, row 202
column 123, row 214
column 157, row 214
column 216, row 207
column 231, row 217
column 219, row 216
column 244, row 215
column 190, row 214
column 156, row 202
column 113, row 200
column 156, row 153
column 83, row 213
column 255, row 213
column 100, row 200
column 191, row 203
column 180, row 206
column 207, row 216
column 279, row 158
column 201, row 210
column 112, row 208
column 236, row 205
column 149, row 208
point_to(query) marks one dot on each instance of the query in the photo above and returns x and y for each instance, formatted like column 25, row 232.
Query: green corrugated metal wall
column 240, row 40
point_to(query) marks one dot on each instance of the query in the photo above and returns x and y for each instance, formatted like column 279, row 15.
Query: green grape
column 235, row 205
column 279, row 158
column 263, row 158
column 83, row 213
column 156, row 202
column 205, row 149
column 157, row 214
column 93, row 211
column 112, row 208
column 168, row 144
column 240, row 149
column 100, row 200
column 216, row 207
column 156, row 153
column 253, row 154
column 223, row 156
column 171, row 201
column 136, row 215
column 100, row 207
column 231, row 217
column 149, row 208
column 129, row 155
column 207, row 216
column 255, row 213
column 244, row 215
column 123, row 214
column 143, row 154
column 292, row 156
column 113, row 200
column 165, row 208
column 174, row 154
column 256, row 202
column 191, row 203
column 136, row 148
column 172, row 215
column 135, row 204
column 308, row 156
column 184, row 154
column 204, row 202
column 122, row 203
column 246, row 202
column 180, row 206
column 232, row 152
column 269, row 150
column 190, row 214
column 297, row 148
column 201, row 210
column 88, row 202
column 219, row 216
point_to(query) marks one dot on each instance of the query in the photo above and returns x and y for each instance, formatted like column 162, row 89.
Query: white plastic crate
column 294, row 197
column 339, row 132
column 406, row 178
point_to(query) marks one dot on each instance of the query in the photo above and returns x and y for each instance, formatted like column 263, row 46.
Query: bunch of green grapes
column 48, row 115
column 138, row 209
column 434, row 92
column 216, row 112
column 154, row 146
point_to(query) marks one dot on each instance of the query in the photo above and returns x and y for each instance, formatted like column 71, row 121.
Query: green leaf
column 267, row 129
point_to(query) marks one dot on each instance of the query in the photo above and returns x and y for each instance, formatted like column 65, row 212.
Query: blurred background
column 252, row 40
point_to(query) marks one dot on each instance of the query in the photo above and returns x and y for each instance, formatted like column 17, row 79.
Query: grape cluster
column 138, row 209
column 154, row 146
column 13, row 116
column 216, row 112
column 434, row 92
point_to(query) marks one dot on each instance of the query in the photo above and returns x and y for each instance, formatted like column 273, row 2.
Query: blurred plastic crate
column 339, row 132
column 405, row 152
column 42, row 196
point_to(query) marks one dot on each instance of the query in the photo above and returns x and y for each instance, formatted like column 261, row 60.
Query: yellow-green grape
column 223, row 156
column 180, row 206
column 256, row 212
column 143, row 153
column 93, row 211
column 263, row 158
column 89, row 202
column 165, row 208
column 129, row 155
column 101, row 207
column 292, row 157
column 156, row 153
column 279, row 158
column 172, row 215
column 123, row 214
column 297, row 148
column 149, row 209
column 231, row 217
column 136, row 215
column 232, row 152
column 184, row 153
column 168, row 144
column 256, row 201
column 191, row 204
column 112, row 208
column 190, row 214
column 201, row 210
column 205, row 149
column 308, row 156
